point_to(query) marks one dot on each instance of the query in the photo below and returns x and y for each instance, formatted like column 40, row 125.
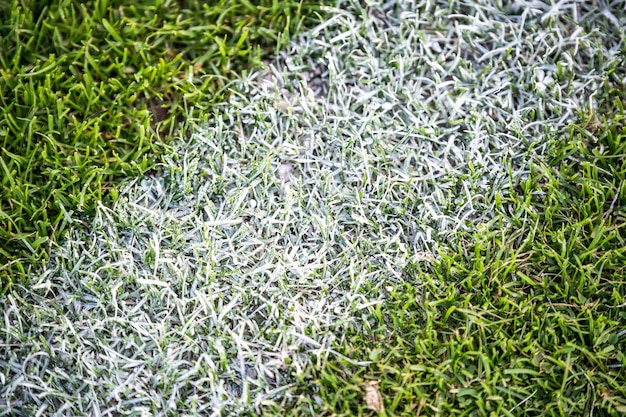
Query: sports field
column 405, row 208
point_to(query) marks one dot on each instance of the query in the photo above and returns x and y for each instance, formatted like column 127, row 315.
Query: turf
column 527, row 319
column 414, row 209
column 93, row 92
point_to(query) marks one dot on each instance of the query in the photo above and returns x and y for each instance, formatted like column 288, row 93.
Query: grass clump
column 91, row 92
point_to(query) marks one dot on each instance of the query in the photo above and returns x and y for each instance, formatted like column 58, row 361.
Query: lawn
column 92, row 92
column 410, row 209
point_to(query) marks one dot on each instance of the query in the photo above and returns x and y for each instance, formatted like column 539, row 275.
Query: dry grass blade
column 373, row 399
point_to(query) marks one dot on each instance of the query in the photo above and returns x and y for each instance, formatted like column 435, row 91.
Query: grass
column 526, row 319
column 93, row 92
column 412, row 210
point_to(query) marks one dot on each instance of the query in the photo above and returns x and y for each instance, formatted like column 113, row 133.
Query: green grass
column 528, row 316
column 92, row 92
column 412, row 207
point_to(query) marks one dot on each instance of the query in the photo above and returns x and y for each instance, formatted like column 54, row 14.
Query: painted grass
column 524, row 320
column 92, row 92
column 416, row 209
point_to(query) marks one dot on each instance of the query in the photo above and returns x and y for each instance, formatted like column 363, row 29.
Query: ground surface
column 93, row 91
column 414, row 209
